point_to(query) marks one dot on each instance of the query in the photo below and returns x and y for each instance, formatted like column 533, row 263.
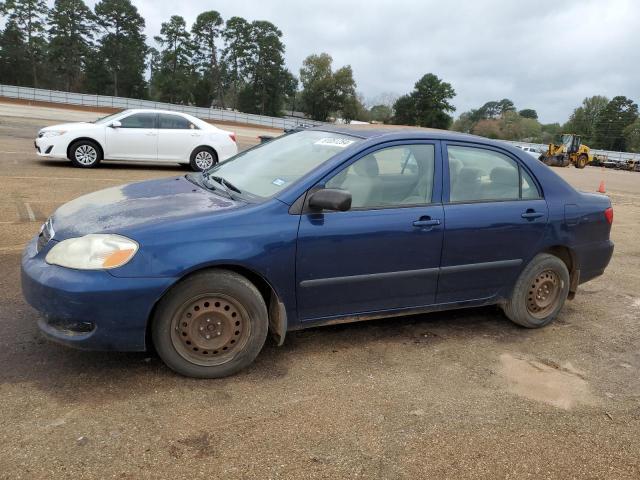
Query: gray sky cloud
column 547, row 54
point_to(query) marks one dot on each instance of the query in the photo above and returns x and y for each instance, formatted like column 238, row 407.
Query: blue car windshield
column 266, row 170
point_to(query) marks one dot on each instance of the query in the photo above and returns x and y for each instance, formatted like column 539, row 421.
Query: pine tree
column 205, row 32
column 174, row 77
column 265, row 66
column 14, row 65
column 122, row 51
column 70, row 41
column 428, row 105
column 237, row 38
column 29, row 16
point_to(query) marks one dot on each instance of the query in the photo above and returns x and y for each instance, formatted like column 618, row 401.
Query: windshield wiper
column 225, row 183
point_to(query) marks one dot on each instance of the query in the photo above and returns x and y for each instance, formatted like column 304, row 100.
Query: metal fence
column 215, row 114
column 613, row 156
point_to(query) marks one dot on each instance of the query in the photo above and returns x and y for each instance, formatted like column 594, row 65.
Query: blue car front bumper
column 93, row 310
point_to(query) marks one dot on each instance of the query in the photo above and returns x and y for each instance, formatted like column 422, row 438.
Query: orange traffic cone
column 601, row 188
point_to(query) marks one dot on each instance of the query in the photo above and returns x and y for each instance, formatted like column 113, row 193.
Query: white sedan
column 140, row 135
column 533, row 151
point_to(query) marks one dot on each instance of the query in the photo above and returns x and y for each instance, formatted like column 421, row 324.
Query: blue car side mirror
column 330, row 199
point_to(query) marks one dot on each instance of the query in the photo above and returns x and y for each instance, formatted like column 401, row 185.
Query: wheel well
column 563, row 253
column 73, row 142
column 568, row 257
column 272, row 301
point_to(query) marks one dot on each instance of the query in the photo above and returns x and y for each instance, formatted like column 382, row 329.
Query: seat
column 361, row 181
column 503, row 185
column 467, row 185
column 421, row 193
column 455, row 166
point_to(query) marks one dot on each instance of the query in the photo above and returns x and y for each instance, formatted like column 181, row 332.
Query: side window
column 139, row 120
column 477, row 174
column 529, row 189
column 394, row 176
column 174, row 122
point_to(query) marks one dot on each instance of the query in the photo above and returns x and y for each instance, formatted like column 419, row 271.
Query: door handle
column 150, row 134
column 532, row 214
column 195, row 134
column 426, row 222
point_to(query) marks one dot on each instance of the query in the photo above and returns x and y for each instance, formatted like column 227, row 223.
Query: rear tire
column 85, row 154
column 539, row 293
column 203, row 158
column 581, row 162
column 211, row 325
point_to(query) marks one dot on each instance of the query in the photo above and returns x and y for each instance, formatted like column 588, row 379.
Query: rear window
column 174, row 122
column 477, row 175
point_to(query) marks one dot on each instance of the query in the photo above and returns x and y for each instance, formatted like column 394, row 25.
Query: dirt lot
column 455, row 395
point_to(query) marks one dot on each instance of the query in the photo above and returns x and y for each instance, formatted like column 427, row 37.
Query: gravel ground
column 449, row 395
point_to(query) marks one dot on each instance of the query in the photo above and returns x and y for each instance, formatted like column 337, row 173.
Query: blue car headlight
column 93, row 252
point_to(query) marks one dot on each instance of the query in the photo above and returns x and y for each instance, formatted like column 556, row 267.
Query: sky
column 542, row 54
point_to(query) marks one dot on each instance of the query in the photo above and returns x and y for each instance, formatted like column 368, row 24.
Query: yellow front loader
column 569, row 151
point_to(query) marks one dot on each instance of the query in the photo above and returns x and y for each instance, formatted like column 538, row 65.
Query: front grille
column 46, row 234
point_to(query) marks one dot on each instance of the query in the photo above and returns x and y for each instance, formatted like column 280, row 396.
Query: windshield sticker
column 278, row 182
column 334, row 142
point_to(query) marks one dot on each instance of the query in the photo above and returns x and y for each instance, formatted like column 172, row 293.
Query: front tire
column 211, row 325
column 203, row 158
column 539, row 293
column 85, row 154
column 582, row 161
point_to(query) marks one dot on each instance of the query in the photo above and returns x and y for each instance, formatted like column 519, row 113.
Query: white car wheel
column 203, row 159
column 85, row 154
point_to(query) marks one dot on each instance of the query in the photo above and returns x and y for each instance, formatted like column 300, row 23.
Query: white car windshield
column 268, row 169
column 107, row 119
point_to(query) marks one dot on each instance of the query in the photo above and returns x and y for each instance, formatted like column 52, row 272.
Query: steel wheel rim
column 543, row 294
column 204, row 160
column 86, row 154
column 210, row 329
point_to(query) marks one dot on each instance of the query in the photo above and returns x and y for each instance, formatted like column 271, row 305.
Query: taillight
column 232, row 136
column 608, row 213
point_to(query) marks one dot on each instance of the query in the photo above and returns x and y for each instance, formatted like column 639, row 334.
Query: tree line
column 500, row 119
column 237, row 64
column 603, row 124
column 607, row 124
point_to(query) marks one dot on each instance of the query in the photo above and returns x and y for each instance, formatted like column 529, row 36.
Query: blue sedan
column 322, row 226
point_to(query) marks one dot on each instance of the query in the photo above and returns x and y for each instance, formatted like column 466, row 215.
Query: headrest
column 367, row 167
column 455, row 166
column 469, row 174
column 504, row 175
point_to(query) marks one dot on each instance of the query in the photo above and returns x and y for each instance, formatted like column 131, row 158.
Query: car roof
column 385, row 133
column 372, row 131
column 153, row 110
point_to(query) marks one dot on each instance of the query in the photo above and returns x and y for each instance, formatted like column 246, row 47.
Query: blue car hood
column 135, row 204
